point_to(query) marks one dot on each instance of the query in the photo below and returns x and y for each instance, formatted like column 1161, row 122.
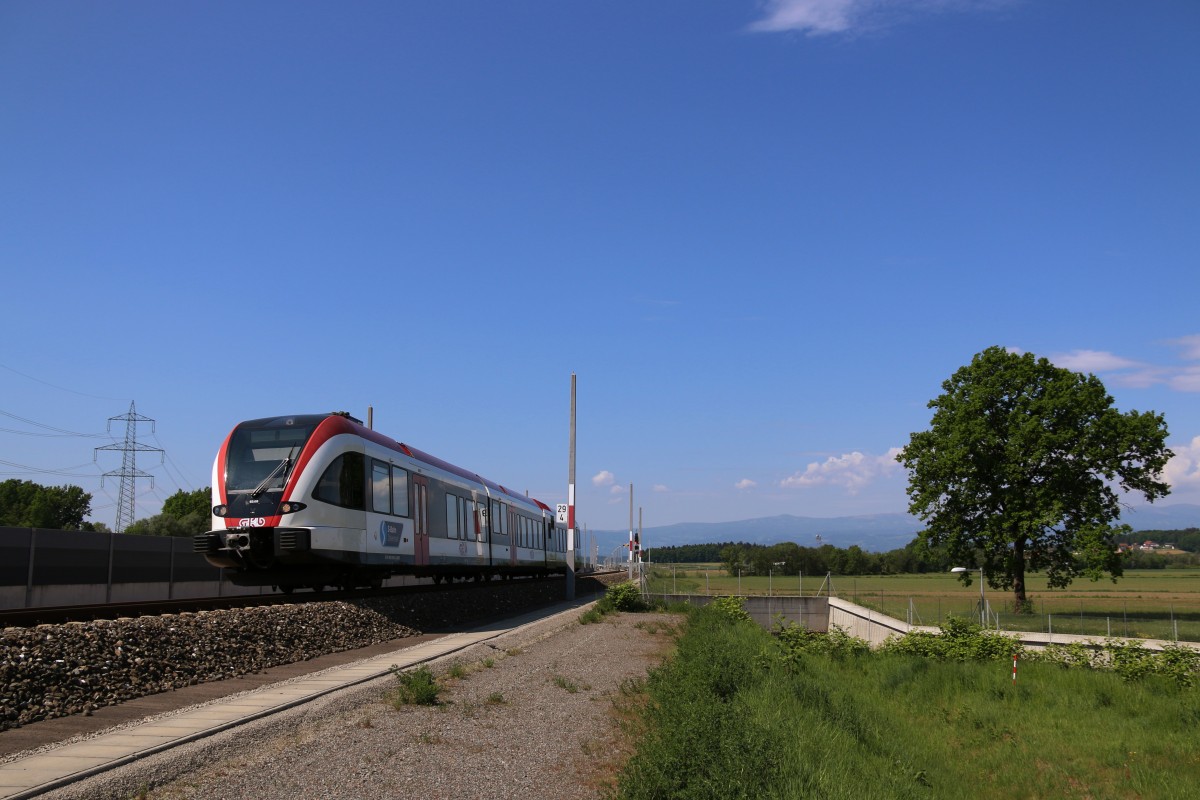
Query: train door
column 420, row 514
column 514, row 530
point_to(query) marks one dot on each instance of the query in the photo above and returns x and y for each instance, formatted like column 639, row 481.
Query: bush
column 626, row 596
column 960, row 640
column 733, row 608
column 415, row 688
column 837, row 643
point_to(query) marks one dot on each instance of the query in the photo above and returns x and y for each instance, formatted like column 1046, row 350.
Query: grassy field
column 1154, row 604
column 735, row 715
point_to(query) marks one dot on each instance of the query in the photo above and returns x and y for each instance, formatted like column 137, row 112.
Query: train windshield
column 262, row 453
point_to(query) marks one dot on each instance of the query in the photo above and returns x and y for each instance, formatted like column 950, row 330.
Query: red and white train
column 321, row 500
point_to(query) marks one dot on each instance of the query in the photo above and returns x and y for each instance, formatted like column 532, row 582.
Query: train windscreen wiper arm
column 280, row 467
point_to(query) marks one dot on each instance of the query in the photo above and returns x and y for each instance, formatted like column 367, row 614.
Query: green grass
column 1144, row 604
column 736, row 715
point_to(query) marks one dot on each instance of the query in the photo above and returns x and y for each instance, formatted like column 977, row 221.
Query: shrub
column 626, row 596
column 837, row 643
column 1178, row 663
column 590, row 616
column 1071, row 655
column 733, row 608
column 415, row 688
column 960, row 640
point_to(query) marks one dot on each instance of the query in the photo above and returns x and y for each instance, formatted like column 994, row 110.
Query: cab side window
column 344, row 482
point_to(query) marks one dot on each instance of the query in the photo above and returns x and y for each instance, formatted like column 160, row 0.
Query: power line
column 63, row 471
column 170, row 461
column 57, row 431
column 55, row 386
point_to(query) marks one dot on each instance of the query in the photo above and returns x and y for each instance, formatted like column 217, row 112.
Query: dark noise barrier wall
column 40, row 567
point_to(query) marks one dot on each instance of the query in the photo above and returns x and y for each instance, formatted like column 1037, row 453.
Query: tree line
column 26, row 504
column 1187, row 539
column 789, row 558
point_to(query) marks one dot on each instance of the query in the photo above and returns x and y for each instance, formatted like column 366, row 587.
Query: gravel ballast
column 534, row 713
column 58, row 670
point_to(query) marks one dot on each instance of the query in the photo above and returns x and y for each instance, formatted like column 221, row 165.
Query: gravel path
column 541, row 721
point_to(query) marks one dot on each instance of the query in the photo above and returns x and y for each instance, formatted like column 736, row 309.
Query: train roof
column 336, row 422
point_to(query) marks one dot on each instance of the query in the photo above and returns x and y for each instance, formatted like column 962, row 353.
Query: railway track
column 57, row 615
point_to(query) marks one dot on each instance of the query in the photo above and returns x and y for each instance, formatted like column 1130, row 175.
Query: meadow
column 1143, row 604
column 737, row 714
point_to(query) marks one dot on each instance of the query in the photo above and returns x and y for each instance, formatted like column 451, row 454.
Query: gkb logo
column 253, row 522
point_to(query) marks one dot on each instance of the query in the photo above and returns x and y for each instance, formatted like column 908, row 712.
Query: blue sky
column 762, row 234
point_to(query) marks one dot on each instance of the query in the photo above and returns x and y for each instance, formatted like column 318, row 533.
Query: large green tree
column 1021, row 468
column 25, row 504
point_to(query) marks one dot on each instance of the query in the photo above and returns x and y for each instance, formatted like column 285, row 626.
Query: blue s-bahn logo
column 390, row 533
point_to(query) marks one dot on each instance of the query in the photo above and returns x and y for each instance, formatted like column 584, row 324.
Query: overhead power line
column 56, row 386
column 66, row 472
column 57, row 431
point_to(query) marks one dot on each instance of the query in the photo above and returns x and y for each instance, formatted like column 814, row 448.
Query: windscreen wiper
column 281, row 467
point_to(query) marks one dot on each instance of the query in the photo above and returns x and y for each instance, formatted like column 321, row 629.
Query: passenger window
column 468, row 518
column 399, row 492
column 381, row 487
column 451, row 516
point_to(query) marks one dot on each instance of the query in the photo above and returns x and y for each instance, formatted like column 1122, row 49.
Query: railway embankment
column 53, row 671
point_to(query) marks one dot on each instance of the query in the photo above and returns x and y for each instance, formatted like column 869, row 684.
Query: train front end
column 254, row 478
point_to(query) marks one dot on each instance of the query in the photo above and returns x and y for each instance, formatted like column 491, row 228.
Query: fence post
column 171, row 574
column 111, row 544
column 29, row 580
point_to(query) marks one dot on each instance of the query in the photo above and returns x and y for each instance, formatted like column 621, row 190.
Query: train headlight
column 291, row 508
column 220, row 510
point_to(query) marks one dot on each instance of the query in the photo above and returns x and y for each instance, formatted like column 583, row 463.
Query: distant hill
column 874, row 532
column 1173, row 517
column 871, row 532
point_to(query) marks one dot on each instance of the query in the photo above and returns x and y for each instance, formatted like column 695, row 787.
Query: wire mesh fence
column 1169, row 616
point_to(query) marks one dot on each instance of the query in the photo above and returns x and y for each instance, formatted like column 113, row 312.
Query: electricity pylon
column 128, row 472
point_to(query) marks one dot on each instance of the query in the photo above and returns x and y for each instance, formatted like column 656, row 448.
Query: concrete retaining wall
column 811, row 612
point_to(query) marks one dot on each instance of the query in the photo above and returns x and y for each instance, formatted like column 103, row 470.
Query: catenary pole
column 631, row 531
column 571, row 503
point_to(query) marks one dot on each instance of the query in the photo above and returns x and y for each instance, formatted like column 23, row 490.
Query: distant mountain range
column 874, row 532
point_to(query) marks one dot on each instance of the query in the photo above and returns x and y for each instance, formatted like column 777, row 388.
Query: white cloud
column 810, row 16
column 1122, row 371
column 1186, row 380
column 745, row 483
column 1092, row 361
column 1190, row 346
column 823, row 17
column 852, row 471
column 616, row 490
column 1183, row 470
column 604, row 478
column 660, row 488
